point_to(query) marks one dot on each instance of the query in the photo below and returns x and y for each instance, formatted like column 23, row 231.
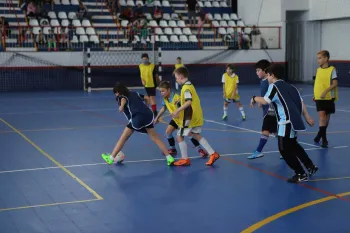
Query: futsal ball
column 120, row 157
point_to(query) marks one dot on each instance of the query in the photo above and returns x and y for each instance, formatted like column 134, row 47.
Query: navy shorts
column 327, row 106
column 173, row 124
column 142, row 130
column 151, row 91
column 270, row 124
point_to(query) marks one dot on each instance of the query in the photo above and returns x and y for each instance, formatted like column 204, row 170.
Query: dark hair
column 164, row 84
column 230, row 66
column 144, row 55
column 178, row 58
column 276, row 70
column 324, row 53
column 121, row 89
column 182, row 71
column 262, row 64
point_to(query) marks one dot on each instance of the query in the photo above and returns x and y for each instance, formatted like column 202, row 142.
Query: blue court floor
column 52, row 178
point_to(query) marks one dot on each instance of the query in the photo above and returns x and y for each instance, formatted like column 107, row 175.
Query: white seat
column 57, row 2
column 65, row 2
column 240, row 24
column 233, row 16
column 172, row 23
column 215, row 23
column 209, row 16
column 226, row 17
column 153, row 23
column 157, row 3
column 124, row 23
column 46, row 30
column 122, row 2
column 164, row 38
column 230, row 30
column 223, row 23
column 168, row 31
column 74, row 2
column 207, row 4
column 223, row 4
column 232, row 23
column 65, row 23
column 247, row 30
column 52, row 15
column 174, row 16
column 54, row 23
column 181, row 23
column 222, row 31
column 148, row 16
column 72, row 15
column 166, row 4
column 187, row 31
column 183, row 38
column 200, row 4
column 76, row 23
column 33, row 22
column 90, row 31
column 166, row 16
column 80, row 31
column 193, row 38
column 75, row 39
column 217, row 17
column 139, row 2
column 159, row 31
column 83, row 38
column 174, row 39
column 177, row 31
column 163, row 23
column 130, row 3
column 62, row 15
column 216, row 4
column 86, row 23
column 36, row 30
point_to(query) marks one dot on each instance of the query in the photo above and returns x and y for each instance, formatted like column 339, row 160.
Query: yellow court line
column 329, row 179
column 45, row 205
column 272, row 218
column 53, row 160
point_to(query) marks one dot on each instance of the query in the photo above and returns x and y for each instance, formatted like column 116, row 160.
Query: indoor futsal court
column 53, row 178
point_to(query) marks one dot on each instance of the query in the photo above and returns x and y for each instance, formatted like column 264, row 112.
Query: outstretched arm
column 308, row 118
column 122, row 104
column 161, row 112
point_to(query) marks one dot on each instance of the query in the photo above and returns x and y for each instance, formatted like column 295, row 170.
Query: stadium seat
column 83, row 38
column 90, row 31
column 164, row 38
column 193, row 38
column 65, row 2
column 223, row 4
column 76, row 23
column 52, row 15
column 86, row 23
column 222, row 31
column 65, row 23
column 223, row 23
column 207, row 4
column 230, row 30
column 62, row 15
column 80, row 31
column 122, row 2
column 174, row 39
column 153, row 23
column 54, row 23
column 226, row 17
column 172, row 23
column 200, row 4
column 157, row 3
column 240, row 24
column 216, row 4
column 177, row 31
column 159, row 31
column 130, row 3
column 124, row 23
column 217, row 17
column 215, row 23
column 166, row 4
column 138, row 2
column 234, row 16
column 232, row 23
column 72, row 15
column 46, row 30
column 166, row 16
column 163, row 23
column 181, row 23
column 74, row 2
column 168, row 31
column 36, row 30
column 33, row 22
column 187, row 31
column 183, row 38
column 148, row 16
column 174, row 16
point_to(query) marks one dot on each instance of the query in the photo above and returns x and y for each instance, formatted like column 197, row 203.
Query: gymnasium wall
column 329, row 9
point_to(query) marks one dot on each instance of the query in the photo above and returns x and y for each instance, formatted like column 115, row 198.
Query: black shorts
column 270, row 124
column 142, row 130
column 173, row 124
column 151, row 91
column 327, row 106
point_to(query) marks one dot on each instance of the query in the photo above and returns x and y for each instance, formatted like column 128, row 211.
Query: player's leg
column 155, row 138
column 304, row 157
column 184, row 161
column 197, row 145
column 241, row 109
column 226, row 103
column 213, row 154
column 109, row 158
column 322, row 115
column 151, row 92
column 171, row 140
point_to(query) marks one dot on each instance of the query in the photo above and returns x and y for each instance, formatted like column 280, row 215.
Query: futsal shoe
column 212, row 159
column 297, row 178
column 183, row 162
column 107, row 158
column 312, row 170
column 224, row 117
column 255, row 155
column 172, row 151
column 170, row 161
column 202, row 153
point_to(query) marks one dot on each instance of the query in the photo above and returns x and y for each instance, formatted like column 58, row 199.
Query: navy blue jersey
column 136, row 110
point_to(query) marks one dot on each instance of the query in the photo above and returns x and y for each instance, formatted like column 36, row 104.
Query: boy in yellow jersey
column 325, row 93
column 149, row 78
column 230, row 90
column 171, row 102
column 190, row 119
column 178, row 65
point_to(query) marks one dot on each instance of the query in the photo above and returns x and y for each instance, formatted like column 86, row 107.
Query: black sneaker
column 312, row 170
column 298, row 178
column 317, row 139
column 324, row 144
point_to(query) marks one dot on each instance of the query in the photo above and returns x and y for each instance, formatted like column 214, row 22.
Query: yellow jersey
column 230, row 85
column 147, row 74
column 172, row 104
column 179, row 65
column 323, row 80
column 192, row 116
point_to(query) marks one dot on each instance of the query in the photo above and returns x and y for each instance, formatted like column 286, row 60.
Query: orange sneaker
column 213, row 158
column 183, row 162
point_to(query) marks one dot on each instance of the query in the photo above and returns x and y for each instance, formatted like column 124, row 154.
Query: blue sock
column 262, row 142
column 171, row 141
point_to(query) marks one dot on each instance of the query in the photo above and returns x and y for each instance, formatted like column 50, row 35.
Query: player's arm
column 223, row 85
column 188, row 102
column 306, row 115
column 160, row 113
column 333, row 85
column 122, row 104
column 267, row 99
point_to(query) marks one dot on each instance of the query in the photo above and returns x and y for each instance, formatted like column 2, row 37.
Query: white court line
column 253, row 131
column 339, row 110
column 150, row 160
column 59, row 111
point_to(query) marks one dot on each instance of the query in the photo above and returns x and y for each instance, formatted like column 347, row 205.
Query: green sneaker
column 171, row 161
column 244, row 118
column 107, row 158
column 224, row 117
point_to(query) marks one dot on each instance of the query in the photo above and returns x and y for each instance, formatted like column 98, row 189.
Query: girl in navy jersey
column 140, row 118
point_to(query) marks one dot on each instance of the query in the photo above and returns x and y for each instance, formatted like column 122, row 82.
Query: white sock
column 168, row 157
column 242, row 111
column 111, row 157
column 206, row 146
column 183, row 149
column 225, row 111
column 176, row 86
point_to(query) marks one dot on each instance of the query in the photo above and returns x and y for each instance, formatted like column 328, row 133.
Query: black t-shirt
column 191, row 5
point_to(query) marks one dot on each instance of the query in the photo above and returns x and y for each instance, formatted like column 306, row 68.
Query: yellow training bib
column 172, row 106
column 322, row 82
column 147, row 74
column 231, row 86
